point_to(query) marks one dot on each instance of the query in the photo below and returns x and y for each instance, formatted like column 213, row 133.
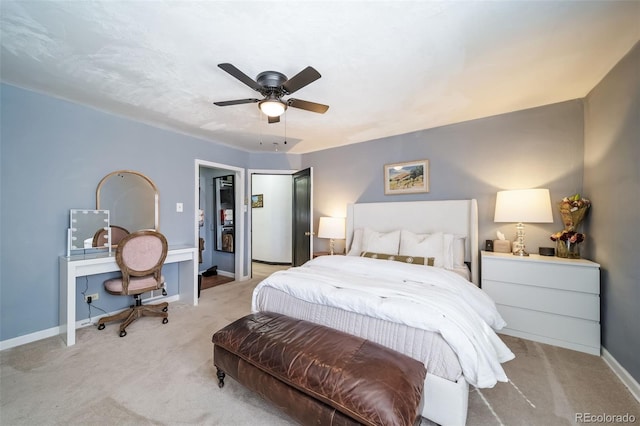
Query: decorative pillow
column 356, row 243
column 398, row 258
column 453, row 251
column 423, row 245
column 380, row 242
column 458, row 252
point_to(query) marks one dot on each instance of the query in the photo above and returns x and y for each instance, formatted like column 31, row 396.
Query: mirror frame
column 156, row 219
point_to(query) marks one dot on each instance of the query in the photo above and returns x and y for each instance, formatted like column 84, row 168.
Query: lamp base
column 520, row 236
column 331, row 246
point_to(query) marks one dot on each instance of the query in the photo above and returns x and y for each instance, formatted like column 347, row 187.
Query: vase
column 567, row 249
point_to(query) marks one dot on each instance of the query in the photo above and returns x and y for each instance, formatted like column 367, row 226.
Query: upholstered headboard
column 458, row 217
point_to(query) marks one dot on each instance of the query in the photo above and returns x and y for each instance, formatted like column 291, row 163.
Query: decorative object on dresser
column 573, row 210
column 547, row 251
column 546, row 299
column 406, row 178
column 523, row 205
column 488, row 245
column 332, row 228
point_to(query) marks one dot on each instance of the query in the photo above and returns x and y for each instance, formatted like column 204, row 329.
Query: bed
column 424, row 302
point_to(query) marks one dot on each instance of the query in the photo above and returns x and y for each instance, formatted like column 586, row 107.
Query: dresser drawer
column 560, row 276
column 543, row 299
column 561, row 328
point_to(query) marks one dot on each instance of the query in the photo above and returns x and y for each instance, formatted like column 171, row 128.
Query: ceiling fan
column 273, row 86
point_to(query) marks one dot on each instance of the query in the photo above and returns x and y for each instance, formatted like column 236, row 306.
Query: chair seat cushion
column 137, row 285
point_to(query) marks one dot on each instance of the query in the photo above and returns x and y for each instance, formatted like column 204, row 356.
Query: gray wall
column 612, row 180
column 535, row 148
column 53, row 155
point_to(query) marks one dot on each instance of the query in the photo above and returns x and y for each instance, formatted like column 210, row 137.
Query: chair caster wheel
column 165, row 309
column 164, row 292
column 123, row 333
column 165, row 320
column 101, row 327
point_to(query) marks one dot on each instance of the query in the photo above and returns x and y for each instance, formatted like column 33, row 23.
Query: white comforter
column 428, row 298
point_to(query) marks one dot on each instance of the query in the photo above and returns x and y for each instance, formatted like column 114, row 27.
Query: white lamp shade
column 331, row 227
column 523, row 205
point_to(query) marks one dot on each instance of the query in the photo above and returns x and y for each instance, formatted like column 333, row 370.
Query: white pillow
column 423, row 245
column 380, row 242
column 458, row 252
column 356, row 243
column 453, row 251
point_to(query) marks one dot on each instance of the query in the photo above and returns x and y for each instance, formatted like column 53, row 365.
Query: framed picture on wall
column 406, row 178
column 256, row 201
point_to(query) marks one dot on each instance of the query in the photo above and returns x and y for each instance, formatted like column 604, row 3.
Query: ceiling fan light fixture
column 272, row 107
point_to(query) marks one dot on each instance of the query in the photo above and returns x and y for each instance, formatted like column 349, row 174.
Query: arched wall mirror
column 131, row 198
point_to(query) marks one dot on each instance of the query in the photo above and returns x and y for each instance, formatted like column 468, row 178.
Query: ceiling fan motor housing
column 272, row 82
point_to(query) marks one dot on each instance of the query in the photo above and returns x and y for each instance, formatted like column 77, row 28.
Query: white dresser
column 546, row 299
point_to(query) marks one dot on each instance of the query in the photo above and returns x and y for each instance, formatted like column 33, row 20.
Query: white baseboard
column 28, row 338
column 223, row 273
column 622, row 373
column 226, row 274
column 55, row 331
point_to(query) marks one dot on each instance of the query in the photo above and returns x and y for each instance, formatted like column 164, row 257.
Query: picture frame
column 257, row 201
column 410, row 177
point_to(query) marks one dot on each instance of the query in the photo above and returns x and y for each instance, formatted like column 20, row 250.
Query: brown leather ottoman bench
column 318, row 375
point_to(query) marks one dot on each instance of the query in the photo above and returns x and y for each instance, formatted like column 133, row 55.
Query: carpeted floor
column 164, row 375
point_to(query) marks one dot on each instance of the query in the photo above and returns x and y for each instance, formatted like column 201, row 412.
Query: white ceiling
column 388, row 67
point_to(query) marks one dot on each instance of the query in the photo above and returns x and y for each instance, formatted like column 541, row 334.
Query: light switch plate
column 179, row 207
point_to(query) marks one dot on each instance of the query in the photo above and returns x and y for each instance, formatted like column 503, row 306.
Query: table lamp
column 523, row 205
column 332, row 228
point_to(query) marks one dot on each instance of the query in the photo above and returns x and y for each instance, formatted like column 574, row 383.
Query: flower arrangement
column 572, row 237
column 573, row 210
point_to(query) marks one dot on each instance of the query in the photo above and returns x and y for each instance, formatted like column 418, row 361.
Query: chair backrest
column 141, row 254
column 117, row 234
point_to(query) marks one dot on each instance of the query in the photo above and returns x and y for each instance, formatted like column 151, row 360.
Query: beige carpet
column 163, row 375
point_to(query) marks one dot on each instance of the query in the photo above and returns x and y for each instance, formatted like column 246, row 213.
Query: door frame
column 250, row 173
column 240, row 206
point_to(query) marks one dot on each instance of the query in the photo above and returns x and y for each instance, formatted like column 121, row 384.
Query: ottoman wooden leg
column 221, row 376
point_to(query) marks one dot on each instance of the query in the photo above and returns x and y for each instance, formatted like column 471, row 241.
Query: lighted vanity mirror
column 83, row 225
column 131, row 198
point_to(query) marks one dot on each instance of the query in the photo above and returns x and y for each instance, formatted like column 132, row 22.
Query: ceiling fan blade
column 241, row 76
column 309, row 106
column 237, row 102
column 298, row 81
column 273, row 119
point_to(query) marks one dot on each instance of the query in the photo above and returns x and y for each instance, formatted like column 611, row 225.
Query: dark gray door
column 302, row 217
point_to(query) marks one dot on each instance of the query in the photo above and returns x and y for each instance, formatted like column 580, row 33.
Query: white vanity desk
column 73, row 267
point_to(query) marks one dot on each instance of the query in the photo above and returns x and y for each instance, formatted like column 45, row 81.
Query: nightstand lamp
column 332, row 228
column 523, row 205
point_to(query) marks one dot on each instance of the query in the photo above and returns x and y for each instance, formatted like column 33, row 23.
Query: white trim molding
column 626, row 378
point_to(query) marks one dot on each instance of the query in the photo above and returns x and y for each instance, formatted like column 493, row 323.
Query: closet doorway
column 215, row 215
